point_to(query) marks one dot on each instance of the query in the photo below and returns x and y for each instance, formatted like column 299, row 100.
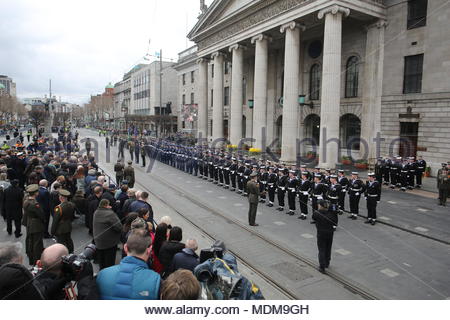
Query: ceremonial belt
column 291, row 189
column 232, row 172
column 420, row 167
column 373, row 195
column 246, row 177
column 282, row 188
column 271, row 184
column 356, row 190
column 333, row 198
column 403, row 171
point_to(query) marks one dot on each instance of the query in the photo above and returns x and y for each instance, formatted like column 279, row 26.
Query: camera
column 73, row 265
column 210, row 253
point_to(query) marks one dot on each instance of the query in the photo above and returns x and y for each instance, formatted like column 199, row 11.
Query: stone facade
column 374, row 34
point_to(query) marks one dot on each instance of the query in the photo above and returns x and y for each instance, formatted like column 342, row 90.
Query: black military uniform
column 385, row 170
column 263, row 177
column 334, row 193
column 343, row 181
column 318, row 191
column 326, row 222
column 272, row 179
column 404, row 175
column 373, row 194
column 233, row 174
column 62, row 221
column 281, row 188
column 379, row 170
column 304, row 187
column 143, row 151
column 34, row 220
column 240, row 176
column 246, row 177
column 394, row 172
column 355, row 189
column 412, row 173
column 291, row 187
column 421, row 165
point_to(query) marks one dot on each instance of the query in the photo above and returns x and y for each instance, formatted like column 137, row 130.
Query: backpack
column 220, row 280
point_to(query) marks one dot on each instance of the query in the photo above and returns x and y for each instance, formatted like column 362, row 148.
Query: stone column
column 202, row 122
column 237, row 77
column 372, row 89
column 260, row 88
column 291, row 85
column 218, row 98
column 331, row 85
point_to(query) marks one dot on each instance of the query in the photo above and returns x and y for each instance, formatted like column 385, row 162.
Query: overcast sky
column 83, row 45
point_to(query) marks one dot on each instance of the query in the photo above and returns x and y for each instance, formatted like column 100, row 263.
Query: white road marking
column 420, row 229
column 392, row 202
column 222, row 197
column 422, row 210
column 279, row 223
column 407, row 264
column 343, row 252
column 307, row 236
column 209, row 191
column 238, row 204
column 390, row 273
column 385, row 218
column 198, row 186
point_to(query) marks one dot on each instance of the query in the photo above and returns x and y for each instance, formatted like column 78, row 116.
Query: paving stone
column 343, row 252
column 390, row 273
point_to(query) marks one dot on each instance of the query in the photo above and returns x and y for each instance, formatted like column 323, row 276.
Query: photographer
column 58, row 270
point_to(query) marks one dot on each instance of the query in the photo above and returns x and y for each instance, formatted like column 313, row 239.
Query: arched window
column 351, row 78
column 314, row 82
column 312, row 129
column 350, row 134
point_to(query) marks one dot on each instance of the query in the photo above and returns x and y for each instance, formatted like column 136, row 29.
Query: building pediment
column 222, row 11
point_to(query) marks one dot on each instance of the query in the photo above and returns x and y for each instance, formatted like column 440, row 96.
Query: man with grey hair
column 10, row 253
column 187, row 258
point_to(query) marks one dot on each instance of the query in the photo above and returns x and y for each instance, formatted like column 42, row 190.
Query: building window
column 417, row 13
column 212, row 71
column 184, row 79
column 314, row 82
column 312, row 129
column 183, row 124
column 212, row 97
column 183, row 99
column 226, row 96
column 192, row 98
column 192, row 76
column 227, row 67
column 351, row 78
column 412, row 81
column 350, row 134
column 244, row 91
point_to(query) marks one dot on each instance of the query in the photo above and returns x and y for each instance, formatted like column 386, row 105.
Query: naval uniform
column 271, row 187
column 373, row 194
column 281, row 190
column 304, row 187
column 355, row 189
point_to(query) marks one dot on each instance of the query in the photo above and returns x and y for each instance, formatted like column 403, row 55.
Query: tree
column 37, row 117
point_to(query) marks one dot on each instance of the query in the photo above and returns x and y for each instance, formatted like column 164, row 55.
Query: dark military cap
column 32, row 188
column 64, row 193
column 333, row 176
column 317, row 175
column 262, row 167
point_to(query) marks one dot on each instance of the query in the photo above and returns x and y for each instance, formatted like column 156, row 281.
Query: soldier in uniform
column 226, row 172
column 240, row 176
column 412, row 172
column 404, row 175
column 88, row 146
column 263, row 177
column 304, row 186
column 143, row 151
column 394, row 172
column 253, row 198
column 355, row 189
column 118, row 169
column 372, row 194
column 128, row 174
column 220, row 166
column 291, row 186
column 421, row 165
column 385, row 170
column 271, row 186
column 34, row 220
column 62, row 220
column 233, row 174
column 379, row 170
column 281, row 188
column 318, row 191
column 334, row 193
column 246, row 176
column 343, row 181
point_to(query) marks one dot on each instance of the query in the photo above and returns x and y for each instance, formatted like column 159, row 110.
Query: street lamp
column 302, row 99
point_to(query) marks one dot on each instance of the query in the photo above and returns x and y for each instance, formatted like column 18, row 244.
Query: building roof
column 109, row 86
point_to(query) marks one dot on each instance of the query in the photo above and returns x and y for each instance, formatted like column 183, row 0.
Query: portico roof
column 227, row 22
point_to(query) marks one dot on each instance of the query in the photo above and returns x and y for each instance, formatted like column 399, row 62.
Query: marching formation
column 278, row 182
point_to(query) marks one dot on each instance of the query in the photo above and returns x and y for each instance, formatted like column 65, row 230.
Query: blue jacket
column 130, row 280
column 186, row 259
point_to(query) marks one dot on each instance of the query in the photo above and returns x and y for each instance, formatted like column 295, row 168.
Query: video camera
column 211, row 253
column 74, row 265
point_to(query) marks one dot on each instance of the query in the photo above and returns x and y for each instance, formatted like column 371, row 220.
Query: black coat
column 15, row 283
column 13, row 201
column 325, row 221
column 168, row 251
column 186, row 259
